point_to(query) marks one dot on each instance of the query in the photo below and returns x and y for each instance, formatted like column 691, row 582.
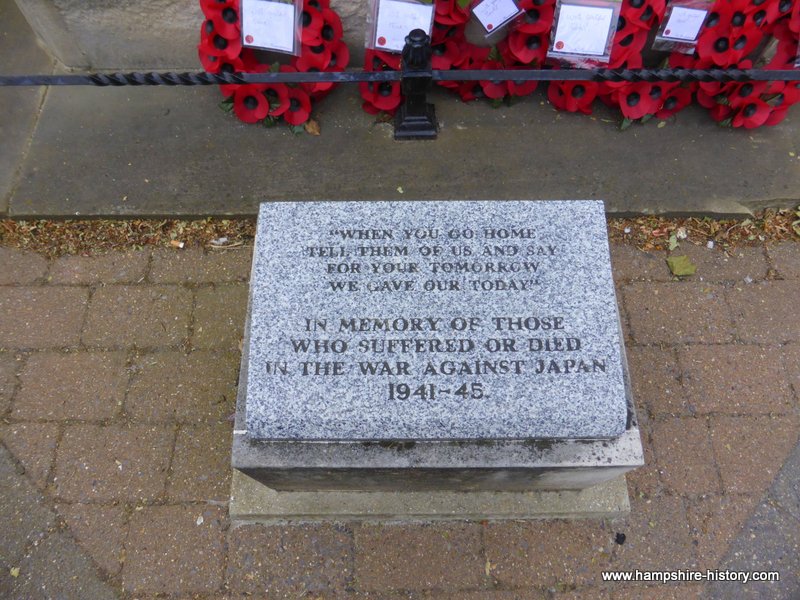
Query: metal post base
column 416, row 127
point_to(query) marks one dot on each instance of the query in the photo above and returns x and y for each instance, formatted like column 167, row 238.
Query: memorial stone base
column 543, row 425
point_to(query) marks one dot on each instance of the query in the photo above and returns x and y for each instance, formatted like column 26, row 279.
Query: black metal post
column 416, row 117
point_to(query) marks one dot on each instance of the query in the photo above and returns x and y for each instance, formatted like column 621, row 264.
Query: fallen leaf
column 312, row 127
column 673, row 242
column 681, row 266
column 399, row 189
column 15, row 571
column 662, row 124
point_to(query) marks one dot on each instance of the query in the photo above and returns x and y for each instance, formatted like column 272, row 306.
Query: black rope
column 517, row 75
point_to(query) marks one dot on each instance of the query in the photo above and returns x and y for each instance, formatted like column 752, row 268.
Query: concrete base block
column 253, row 502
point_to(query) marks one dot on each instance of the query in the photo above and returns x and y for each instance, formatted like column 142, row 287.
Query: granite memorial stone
column 442, row 345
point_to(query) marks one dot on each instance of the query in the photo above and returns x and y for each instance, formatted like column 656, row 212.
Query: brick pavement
column 117, row 382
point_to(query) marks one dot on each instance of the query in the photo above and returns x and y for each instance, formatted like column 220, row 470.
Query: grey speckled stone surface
column 348, row 279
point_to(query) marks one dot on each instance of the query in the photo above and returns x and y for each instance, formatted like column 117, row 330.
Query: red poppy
column 246, row 63
column 299, row 107
column 752, row 114
column 307, row 64
column 639, row 99
column 213, row 44
column 676, row 99
column 728, row 36
column 210, row 63
column 318, row 56
column 331, row 31
column 277, row 94
column 538, row 17
column 207, row 5
column 627, row 48
column 744, row 93
column 312, row 22
column 225, row 19
column 249, row 103
column 782, row 101
column 443, row 54
column 382, row 95
column 340, row 57
column 521, row 88
column 720, row 112
column 450, row 12
column 470, row 90
column 495, row 90
column 572, row 96
column 528, row 48
column 643, row 14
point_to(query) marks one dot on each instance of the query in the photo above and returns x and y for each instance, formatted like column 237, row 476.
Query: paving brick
column 715, row 265
column 644, row 482
column 8, row 380
column 735, row 379
column 144, row 315
column 529, row 594
column 195, row 387
column 193, row 265
column 751, row 450
column 175, row 550
column 201, row 467
column 684, row 456
column 34, row 446
column 113, row 267
column 675, row 313
column 655, row 379
column 583, row 593
column 411, row 556
column 100, row 530
column 19, row 267
column 41, row 317
column 631, row 264
column 219, row 316
column 791, row 361
column 96, row 463
column 786, row 259
column 23, row 515
column 560, row 554
column 715, row 521
column 56, row 568
column 659, row 592
column 75, row 385
column 766, row 313
column 290, row 562
column 656, row 536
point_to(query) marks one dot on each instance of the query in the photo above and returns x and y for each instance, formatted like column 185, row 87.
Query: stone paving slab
column 21, row 55
column 172, row 152
column 100, row 498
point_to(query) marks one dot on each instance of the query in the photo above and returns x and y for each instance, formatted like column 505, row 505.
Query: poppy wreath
column 221, row 51
column 733, row 30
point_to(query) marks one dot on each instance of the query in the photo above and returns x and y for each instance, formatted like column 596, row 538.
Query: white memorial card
column 268, row 25
column 583, row 29
column 396, row 19
column 495, row 13
column 684, row 23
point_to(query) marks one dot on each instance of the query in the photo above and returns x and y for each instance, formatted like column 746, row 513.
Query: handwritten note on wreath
column 582, row 29
column 495, row 13
column 268, row 25
column 684, row 23
column 396, row 19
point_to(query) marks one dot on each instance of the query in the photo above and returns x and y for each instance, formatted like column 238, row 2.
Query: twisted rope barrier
column 203, row 78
